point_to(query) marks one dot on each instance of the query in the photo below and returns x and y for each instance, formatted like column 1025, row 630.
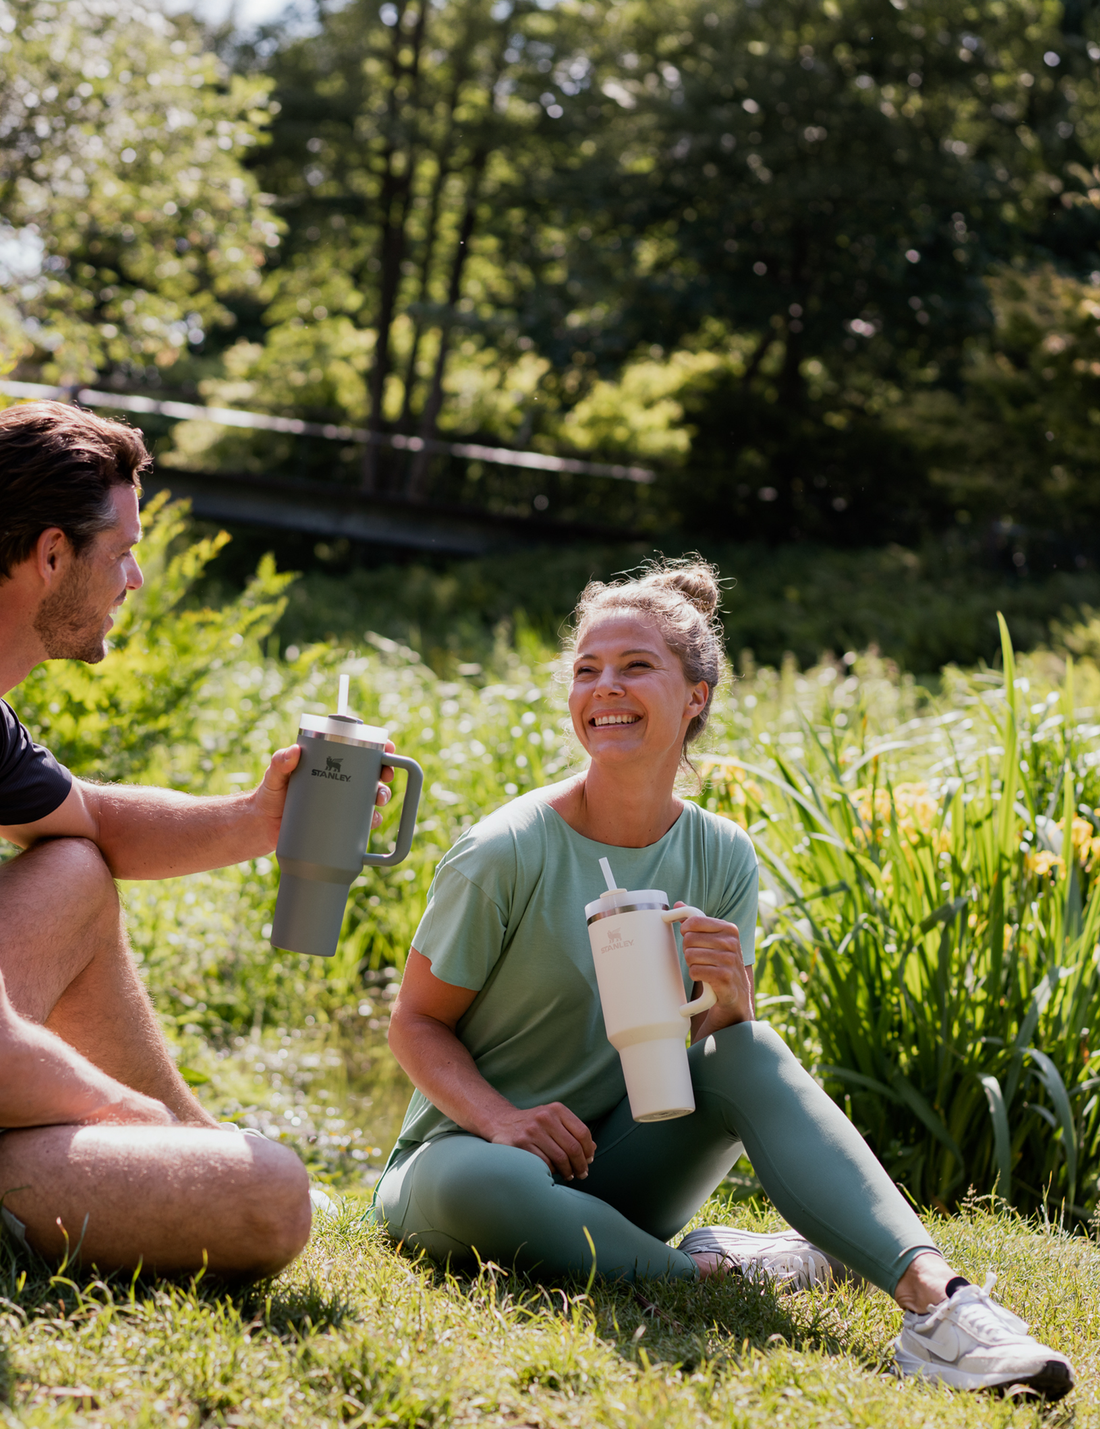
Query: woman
column 519, row 1144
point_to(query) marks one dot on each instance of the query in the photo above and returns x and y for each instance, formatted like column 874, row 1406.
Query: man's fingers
column 282, row 766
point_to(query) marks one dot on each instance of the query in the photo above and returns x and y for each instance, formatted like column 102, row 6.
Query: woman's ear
column 697, row 701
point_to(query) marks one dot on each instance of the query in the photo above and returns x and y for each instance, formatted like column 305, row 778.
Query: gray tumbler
column 326, row 825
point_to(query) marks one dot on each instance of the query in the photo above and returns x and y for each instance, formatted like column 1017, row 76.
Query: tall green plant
column 936, row 946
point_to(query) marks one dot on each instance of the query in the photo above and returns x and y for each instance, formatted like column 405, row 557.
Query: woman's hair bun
column 695, row 580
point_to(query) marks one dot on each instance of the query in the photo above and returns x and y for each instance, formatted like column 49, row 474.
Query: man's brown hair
column 57, row 466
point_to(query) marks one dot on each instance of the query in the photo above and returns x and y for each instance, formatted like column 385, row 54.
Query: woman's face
column 628, row 697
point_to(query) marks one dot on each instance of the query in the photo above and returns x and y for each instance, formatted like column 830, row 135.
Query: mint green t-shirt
column 505, row 918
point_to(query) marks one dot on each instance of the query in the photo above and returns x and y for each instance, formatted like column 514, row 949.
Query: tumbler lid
column 349, row 729
column 624, row 900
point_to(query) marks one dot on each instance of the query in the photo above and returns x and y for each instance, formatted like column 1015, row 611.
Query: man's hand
column 270, row 797
column 133, row 1109
column 553, row 1133
column 712, row 951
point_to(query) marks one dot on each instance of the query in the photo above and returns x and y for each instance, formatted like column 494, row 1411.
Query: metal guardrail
column 295, row 426
column 331, row 509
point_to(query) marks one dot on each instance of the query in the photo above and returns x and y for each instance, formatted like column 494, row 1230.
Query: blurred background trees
column 831, row 268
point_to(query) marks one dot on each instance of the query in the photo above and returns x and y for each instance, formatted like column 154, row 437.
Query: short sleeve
column 462, row 932
column 32, row 782
column 740, row 896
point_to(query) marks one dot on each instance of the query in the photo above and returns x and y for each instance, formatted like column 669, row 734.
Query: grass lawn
column 356, row 1334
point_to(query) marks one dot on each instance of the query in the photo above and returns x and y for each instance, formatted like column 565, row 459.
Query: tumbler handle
column 409, row 807
column 707, row 997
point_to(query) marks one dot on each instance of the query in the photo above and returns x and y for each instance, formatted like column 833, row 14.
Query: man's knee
column 73, row 869
column 276, row 1209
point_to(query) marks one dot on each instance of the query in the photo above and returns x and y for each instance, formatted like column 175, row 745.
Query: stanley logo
column 332, row 771
column 615, row 942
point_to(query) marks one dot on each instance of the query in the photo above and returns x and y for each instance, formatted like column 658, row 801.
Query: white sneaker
column 324, row 1207
column 785, row 1258
column 971, row 1342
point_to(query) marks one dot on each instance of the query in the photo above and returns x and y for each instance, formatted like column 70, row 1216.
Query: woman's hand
column 423, row 1038
column 712, row 950
column 553, row 1133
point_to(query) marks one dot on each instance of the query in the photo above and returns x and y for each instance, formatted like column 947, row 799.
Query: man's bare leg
column 162, row 1196
column 67, row 964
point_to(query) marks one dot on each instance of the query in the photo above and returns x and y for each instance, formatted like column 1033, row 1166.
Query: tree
column 834, row 180
column 395, row 125
column 126, row 217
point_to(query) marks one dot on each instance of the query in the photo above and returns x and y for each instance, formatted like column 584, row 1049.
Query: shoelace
column 992, row 1321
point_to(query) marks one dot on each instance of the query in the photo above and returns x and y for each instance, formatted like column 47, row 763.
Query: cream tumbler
column 642, row 995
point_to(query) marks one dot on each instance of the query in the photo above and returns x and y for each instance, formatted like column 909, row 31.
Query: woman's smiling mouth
column 599, row 721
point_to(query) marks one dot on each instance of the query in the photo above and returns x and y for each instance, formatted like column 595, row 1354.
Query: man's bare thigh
column 57, row 908
column 172, row 1197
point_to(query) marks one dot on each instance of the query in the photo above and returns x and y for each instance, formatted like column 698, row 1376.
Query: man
column 106, row 1147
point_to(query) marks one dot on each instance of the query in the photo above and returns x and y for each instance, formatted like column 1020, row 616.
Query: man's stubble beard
column 68, row 629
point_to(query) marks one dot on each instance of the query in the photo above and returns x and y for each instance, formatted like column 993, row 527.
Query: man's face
column 73, row 620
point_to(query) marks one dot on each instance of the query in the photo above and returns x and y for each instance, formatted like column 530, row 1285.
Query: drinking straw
column 342, row 707
column 612, row 886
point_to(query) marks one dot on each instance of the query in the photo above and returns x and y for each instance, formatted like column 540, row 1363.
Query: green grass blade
column 1051, row 1079
column 1002, row 1140
column 921, row 1108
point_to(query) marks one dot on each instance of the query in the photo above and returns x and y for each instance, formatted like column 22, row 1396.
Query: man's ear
column 52, row 554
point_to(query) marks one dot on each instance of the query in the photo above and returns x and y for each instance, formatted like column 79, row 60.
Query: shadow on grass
column 679, row 1323
column 31, row 1288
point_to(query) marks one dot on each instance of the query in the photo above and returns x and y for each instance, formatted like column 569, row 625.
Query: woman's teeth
column 601, row 720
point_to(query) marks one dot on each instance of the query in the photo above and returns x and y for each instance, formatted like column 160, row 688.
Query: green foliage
column 922, row 608
column 140, row 713
column 792, row 213
column 126, row 216
column 1020, row 440
column 935, row 950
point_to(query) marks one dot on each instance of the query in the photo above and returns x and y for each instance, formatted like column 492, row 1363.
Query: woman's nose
column 608, row 682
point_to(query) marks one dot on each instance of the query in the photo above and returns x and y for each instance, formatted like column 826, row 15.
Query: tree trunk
column 418, row 467
column 444, row 153
column 393, row 204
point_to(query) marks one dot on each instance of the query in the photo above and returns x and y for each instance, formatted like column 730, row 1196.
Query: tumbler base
column 658, row 1080
column 308, row 915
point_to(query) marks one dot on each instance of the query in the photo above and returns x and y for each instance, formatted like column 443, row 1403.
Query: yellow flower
column 913, row 811
column 1039, row 862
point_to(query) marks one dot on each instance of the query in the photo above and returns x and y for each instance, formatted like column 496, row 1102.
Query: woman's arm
column 422, row 1037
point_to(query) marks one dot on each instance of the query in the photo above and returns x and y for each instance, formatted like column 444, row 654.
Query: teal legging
column 459, row 1194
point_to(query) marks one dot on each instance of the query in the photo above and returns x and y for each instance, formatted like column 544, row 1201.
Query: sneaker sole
column 1052, row 1381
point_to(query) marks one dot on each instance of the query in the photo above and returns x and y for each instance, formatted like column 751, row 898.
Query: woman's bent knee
column 464, row 1189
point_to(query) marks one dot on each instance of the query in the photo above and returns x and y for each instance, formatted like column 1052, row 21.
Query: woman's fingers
column 553, row 1133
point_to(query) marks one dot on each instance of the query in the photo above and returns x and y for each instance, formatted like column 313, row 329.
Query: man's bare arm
column 45, row 1082
column 144, row 832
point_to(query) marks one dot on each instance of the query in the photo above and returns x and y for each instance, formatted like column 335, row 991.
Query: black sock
column 956, row 1284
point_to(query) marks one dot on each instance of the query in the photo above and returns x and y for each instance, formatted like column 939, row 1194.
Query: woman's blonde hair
column 681, row 596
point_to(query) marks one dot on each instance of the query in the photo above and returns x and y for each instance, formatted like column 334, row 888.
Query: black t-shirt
column 32, row 783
